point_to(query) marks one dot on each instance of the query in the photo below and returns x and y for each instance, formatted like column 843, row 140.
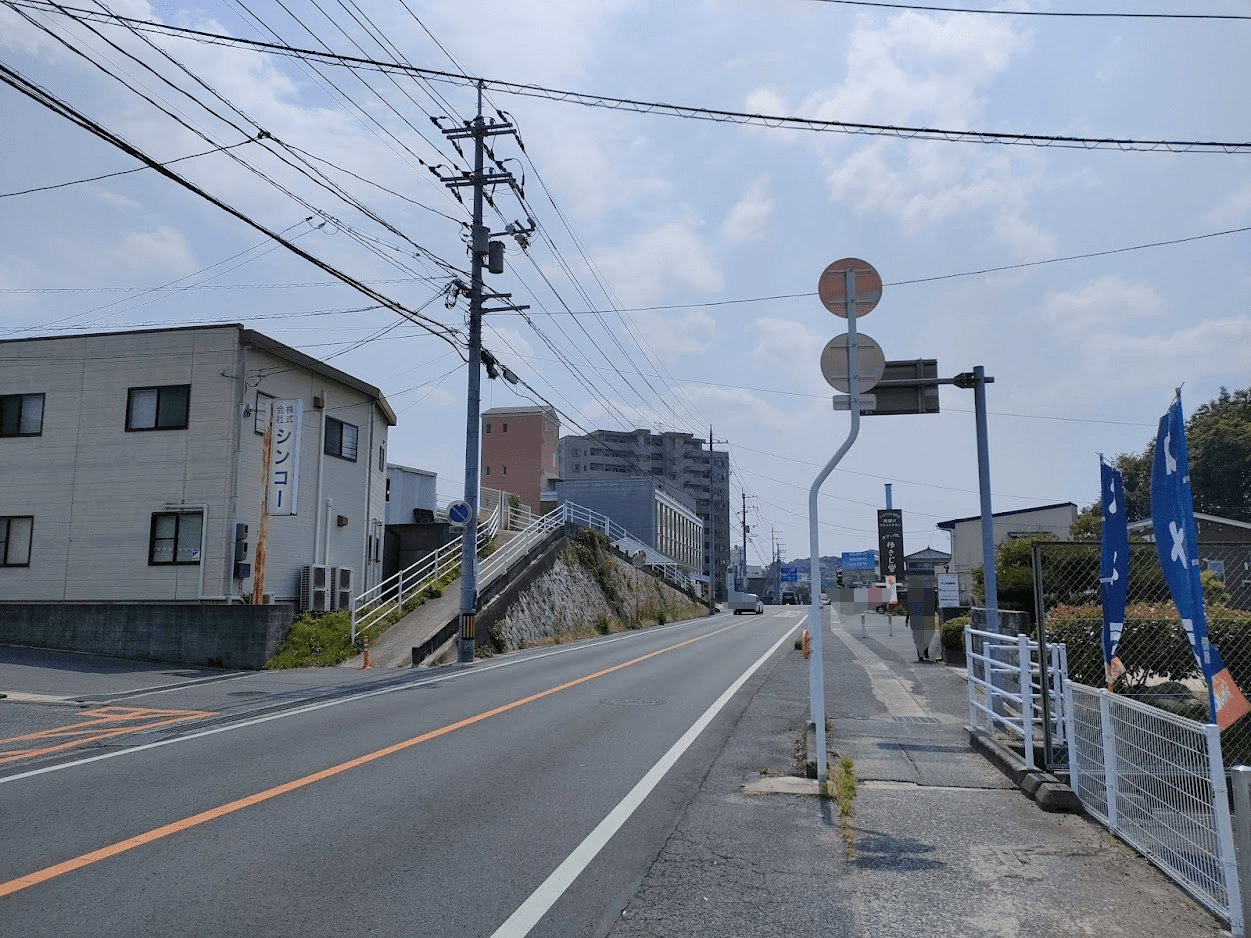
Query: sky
column 671, row 282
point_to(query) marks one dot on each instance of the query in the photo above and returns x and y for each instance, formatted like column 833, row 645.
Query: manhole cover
column 248, row 693
column 632, row 701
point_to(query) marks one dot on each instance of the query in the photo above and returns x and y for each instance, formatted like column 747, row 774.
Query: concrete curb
column 1047, row 791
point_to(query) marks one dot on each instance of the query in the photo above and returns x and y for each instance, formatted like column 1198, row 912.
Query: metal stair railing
column 380, row 600
column 376, row 603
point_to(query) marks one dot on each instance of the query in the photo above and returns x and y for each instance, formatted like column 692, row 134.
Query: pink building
column 519, row 449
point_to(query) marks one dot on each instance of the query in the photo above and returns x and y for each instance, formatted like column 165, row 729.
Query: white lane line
column 535, row 907
column 886, row 687
column 338, row 701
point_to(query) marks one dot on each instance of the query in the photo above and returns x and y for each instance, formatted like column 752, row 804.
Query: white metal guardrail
column 1157, row 780
column 378, row 602
column 1005, row 686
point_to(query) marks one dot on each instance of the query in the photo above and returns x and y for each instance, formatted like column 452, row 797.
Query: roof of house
column 1199, row 516
column 929, row 553
column 948, row 525
column 246, row 337
column 535, row 410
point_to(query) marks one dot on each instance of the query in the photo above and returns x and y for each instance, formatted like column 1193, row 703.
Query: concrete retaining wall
column 226, row 636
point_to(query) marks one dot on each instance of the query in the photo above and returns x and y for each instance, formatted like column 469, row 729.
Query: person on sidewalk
column 923, row 619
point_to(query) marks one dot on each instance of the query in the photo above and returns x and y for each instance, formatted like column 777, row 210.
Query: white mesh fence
column 1157, row 781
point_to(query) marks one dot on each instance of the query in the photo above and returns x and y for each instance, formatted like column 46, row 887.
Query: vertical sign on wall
column 890, row 543
column 284, row 457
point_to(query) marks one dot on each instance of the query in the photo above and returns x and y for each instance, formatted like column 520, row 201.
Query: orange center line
column 166, row 830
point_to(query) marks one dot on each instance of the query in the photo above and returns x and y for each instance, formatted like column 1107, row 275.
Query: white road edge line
column 535, row 907
column 297, row 711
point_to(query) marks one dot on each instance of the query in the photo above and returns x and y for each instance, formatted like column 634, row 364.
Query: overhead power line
column 781, row 122
column 44, row 97
column 1052, row 13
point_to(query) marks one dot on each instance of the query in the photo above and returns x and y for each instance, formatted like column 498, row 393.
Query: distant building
column 657, row 516
column 1224, row 550
column 519, row 451
column 926, row 562
column 411, row 494
column 678, row 458
column 966, row 536
column 131, row 469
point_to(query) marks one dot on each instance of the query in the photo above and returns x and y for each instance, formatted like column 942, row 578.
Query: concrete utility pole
column 712, row 538
column 743, row 563
column 481, row 249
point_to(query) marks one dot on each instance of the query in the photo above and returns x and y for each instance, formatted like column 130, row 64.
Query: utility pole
column 712, row 535
column 481, row 248
column 746, row 530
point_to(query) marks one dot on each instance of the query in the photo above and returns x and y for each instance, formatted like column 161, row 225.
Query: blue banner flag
column 1173, row 520
column 1113, row 568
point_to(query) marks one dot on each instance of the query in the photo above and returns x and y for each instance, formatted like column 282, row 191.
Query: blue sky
column 666, row 224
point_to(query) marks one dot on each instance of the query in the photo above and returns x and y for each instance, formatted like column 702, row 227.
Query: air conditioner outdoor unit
column 315, row 588
column 341, row 587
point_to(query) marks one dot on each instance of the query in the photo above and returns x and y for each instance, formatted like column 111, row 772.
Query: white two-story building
column 133, row 470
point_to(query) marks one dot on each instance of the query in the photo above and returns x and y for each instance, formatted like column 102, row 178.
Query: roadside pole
column 849, row 267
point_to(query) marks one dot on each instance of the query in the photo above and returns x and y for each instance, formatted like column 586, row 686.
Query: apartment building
column 678, row 458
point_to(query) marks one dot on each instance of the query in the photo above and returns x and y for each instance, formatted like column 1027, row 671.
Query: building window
column 488, row 428
column 15, row 540
column 505, row 430
column 340, row 439
column 158, row 408
column 21, row 415
column 175, row 538
column 486, row 470
column 260, row 415
column 504, row 471
column 382, row 458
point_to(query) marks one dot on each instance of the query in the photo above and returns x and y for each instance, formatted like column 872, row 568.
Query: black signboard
column 890, row 544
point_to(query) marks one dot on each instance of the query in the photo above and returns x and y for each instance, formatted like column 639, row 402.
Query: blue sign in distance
column 459, row 512
column 859, row 560
column 790, row 574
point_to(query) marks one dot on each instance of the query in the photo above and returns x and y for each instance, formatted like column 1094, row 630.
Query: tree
column 1218, row 442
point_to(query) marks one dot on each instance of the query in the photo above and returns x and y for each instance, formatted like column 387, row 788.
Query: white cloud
column 1233, row 209
column 916, row 65
column 1102, row 304
column 162, row 248
column 750, row 215
column 778, row 339
column 667, row 262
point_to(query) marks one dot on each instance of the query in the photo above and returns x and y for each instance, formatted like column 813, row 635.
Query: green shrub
column 951, row 632
column 316, row 641
column 1153, row 644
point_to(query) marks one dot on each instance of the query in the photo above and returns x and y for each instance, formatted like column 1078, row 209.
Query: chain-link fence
column 1160, row 668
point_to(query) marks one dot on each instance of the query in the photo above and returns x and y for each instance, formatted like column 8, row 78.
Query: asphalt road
column 528, row 794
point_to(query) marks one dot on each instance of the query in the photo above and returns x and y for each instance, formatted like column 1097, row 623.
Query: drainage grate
column 917, row 720
column 632, row 701
column 248, row 693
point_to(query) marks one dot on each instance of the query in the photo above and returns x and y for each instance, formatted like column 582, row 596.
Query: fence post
column 1110, row 782
column 1242, row 838
column 1224, row 829
column 1070, row 718
column 1024, row 666
column 968, row 656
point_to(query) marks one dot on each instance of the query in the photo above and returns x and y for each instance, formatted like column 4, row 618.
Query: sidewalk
column 942, row 843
